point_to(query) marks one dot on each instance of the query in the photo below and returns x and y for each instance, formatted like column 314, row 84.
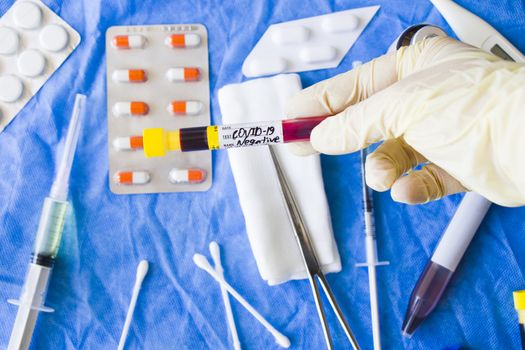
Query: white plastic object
column 461, row 230
column 177, row 94
column 215, row 252
column 21, row 29
column 54, row 38
column 340, row 23
column 31, row 63
column 9, row 41
column 142, row 270
column 290, row 35
column 317, row 54
column 60, row 186
column 11, row 88
column 294, row 46
column 27, row 15
column 203, row 263
column 30, row 303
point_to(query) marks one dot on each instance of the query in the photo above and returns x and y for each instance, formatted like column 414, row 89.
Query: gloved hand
column 454, row 107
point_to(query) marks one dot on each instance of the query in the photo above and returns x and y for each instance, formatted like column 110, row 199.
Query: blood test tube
column 185, row 107
column 133, row 108
column 130, row 76
column 139, row 177
column 128, row 143
column 187, row 176
column 183, row 40
column 183, row 74
column 128, row 42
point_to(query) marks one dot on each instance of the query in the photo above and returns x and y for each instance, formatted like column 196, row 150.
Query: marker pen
column 444, row 261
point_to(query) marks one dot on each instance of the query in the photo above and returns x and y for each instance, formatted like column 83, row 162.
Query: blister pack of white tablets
column 34, row 42
column 157, row 76
column 307, row 44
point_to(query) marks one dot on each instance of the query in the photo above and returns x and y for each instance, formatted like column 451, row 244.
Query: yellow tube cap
column 519, row 299
column 154, row 142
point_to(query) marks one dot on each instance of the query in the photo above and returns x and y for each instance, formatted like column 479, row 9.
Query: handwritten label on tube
column 262, row 133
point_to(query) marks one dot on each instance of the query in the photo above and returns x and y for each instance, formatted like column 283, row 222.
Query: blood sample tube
column 157, row 141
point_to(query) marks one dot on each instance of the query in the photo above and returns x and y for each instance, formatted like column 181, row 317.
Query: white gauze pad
column 269, row 230
column 307, row 44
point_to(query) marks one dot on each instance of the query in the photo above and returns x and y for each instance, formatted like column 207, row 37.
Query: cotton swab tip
column 142, row 270
column 201, row 261
column 282, row 340
column 215, row 250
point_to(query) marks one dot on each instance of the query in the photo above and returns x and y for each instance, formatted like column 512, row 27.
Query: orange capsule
column 132, row 177
column 183, row 40
column 185, row 107
column 128, row 41
column 133, row 108
column 129, row 143
column 129, row 76
column 183, row 74
column 191, row 176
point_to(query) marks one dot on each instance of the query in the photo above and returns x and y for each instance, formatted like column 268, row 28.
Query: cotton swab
column 203, row 263
column 216, row 256
column 142, row 270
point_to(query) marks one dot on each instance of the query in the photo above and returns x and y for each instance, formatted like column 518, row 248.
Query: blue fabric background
column 180, row 307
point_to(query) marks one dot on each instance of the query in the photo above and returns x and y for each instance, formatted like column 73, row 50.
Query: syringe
column 157, row 141
column 47, row 241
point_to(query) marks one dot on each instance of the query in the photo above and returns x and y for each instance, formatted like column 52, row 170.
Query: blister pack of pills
column 157, row 77
column 34, row 42
column 307, row 44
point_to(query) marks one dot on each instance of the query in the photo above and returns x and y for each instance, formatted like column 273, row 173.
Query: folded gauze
column 269, row 229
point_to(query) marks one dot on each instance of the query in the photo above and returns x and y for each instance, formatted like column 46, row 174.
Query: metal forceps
column 310, row 259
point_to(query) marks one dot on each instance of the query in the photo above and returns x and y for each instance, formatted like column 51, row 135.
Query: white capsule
column 183, row 74
column 340, row 23
column 191, row 176
column 266, row 66
column 285, row 35
column 317, row 54
column 129, row 76
column 132, row 177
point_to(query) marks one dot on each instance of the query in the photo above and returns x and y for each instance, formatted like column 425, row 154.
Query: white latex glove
column 441, row 102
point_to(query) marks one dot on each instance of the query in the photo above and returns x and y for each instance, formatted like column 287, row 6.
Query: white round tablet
column 8, row 41
column 27, row 15
column 11, row 88
column 31, row 63
column 53, row 38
